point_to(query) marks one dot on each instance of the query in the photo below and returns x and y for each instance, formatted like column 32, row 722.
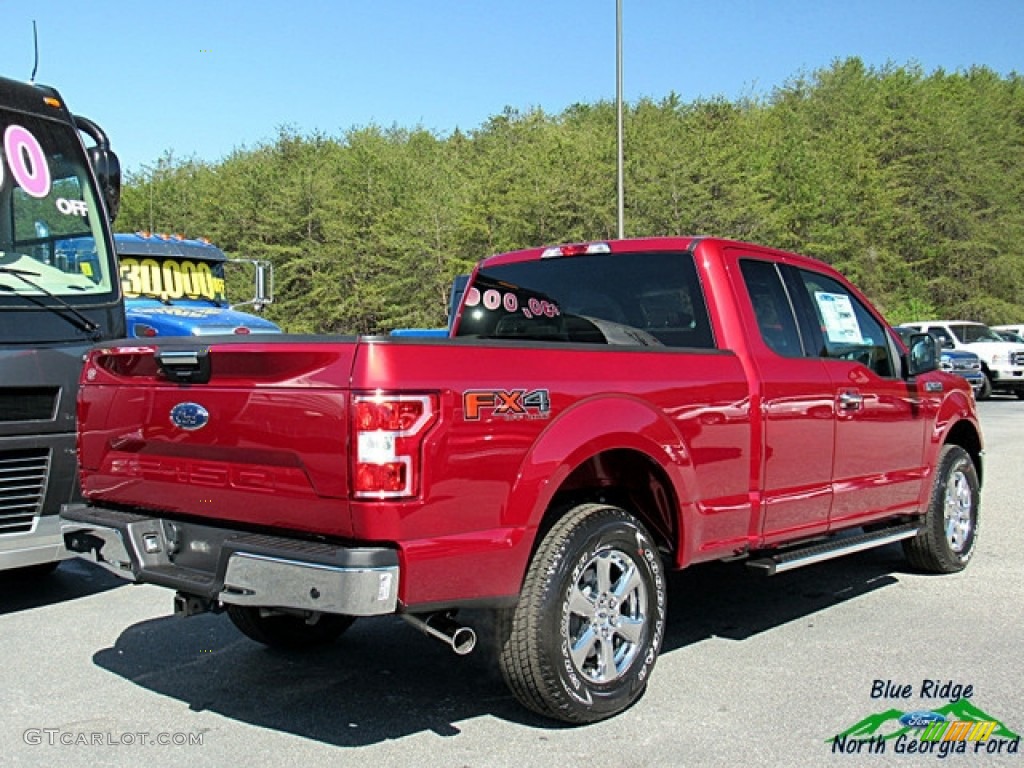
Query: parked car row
column 960, row 362
column 1001, row 359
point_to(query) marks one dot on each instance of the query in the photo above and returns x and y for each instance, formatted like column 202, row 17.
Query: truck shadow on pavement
column 24, row 589
column 383, row 680
column 733, row 601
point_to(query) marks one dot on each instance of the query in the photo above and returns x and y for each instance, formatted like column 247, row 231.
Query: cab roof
column 164, row 246
column 32, row 98
column 641, row 244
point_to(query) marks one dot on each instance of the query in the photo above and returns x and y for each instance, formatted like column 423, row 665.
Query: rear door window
column 772, row 307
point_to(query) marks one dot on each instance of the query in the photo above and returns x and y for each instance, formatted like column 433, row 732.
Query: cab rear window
column 644, row 299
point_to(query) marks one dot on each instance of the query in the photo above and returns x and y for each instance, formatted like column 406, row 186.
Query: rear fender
column 588, row 429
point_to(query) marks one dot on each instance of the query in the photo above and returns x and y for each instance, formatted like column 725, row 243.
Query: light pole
column 618, row 106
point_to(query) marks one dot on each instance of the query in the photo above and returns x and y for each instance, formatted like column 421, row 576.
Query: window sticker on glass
column 169, row 279
column 841, row 326
column 512, row 299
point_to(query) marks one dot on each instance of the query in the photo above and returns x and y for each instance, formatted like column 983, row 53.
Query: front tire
column 288, row 631
column 985, row 392
column 949, row 531
column 582, row 641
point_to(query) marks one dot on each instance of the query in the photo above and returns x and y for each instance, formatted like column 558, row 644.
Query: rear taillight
column 388, row 432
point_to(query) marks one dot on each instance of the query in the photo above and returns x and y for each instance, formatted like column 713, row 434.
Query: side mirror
column 104, row 164
column 923, row 354
column 107, row 168
column 264, row 285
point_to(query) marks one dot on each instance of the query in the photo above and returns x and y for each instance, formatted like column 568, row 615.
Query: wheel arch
column 610, row 449
column 627, row 478
column 956, row 423
column 965, row 434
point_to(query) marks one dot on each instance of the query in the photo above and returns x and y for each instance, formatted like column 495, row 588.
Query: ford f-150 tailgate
column 181, row 427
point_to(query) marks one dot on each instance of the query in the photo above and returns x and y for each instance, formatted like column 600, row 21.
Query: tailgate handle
column 185, row 366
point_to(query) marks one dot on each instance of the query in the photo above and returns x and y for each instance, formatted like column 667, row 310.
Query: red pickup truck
column 604, row 411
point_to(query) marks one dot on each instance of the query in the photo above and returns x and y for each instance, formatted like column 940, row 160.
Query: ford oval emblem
column 921, row 719
column 190, row 416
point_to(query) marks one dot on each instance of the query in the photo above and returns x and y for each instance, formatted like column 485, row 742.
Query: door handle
column 850, row 401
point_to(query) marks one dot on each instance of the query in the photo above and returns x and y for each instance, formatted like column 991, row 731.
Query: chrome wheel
column 606, row 616
column 581, row 642
column 948, row 535
column 957, row 511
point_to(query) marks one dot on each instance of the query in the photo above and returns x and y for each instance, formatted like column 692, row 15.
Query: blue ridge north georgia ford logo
column 190, row 416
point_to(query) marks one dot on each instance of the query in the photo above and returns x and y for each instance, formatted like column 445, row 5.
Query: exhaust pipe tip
column 443, row 627
column 463, row 641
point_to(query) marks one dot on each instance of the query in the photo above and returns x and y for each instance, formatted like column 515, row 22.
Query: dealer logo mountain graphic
column 886, row 725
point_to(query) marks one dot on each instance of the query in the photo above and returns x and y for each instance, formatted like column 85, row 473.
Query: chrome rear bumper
column 233, row 566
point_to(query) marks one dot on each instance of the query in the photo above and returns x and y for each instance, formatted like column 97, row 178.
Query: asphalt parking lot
column 754, row 671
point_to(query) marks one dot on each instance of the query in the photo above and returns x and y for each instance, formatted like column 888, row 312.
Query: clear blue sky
column 202, row 77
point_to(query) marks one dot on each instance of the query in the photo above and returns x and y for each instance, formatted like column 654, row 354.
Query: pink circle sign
column 27, row 161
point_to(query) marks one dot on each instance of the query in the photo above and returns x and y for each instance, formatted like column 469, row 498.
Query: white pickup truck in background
column 1002, row 361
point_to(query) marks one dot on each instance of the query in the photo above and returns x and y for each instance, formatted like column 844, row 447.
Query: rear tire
column 949, row 531
column 581, row 643
column 288, row 631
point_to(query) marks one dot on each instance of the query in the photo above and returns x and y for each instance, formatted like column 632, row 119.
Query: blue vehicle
column 174, row 286
column 454, row 300
column 958, row 361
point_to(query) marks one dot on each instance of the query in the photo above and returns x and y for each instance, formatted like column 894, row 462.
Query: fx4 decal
column 506, row 403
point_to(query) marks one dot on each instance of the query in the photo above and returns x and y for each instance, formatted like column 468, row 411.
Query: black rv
column 55, row 302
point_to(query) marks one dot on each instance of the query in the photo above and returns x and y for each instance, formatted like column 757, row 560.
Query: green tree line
column 911, row 183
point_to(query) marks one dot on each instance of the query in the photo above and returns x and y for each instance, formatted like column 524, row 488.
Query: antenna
column 35, row 44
